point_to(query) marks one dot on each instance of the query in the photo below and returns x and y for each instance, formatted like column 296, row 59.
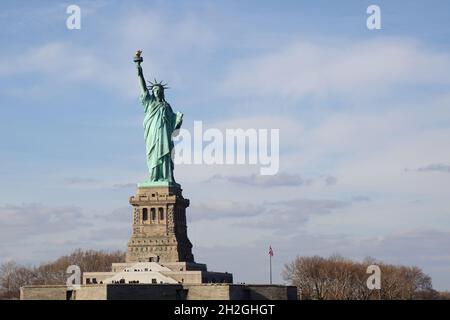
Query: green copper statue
column 159, row 124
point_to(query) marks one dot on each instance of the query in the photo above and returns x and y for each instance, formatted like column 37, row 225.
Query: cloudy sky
column 364, row 119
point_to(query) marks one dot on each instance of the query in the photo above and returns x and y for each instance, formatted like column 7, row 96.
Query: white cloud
column 32, row 233
column 357, row 69
column 61, row 64
column 278, row 180
column 23, row 221
column 435, row 167
column 281, row 179
column 108, row 62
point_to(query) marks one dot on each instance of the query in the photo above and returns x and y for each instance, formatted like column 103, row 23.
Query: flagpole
column 270, row 268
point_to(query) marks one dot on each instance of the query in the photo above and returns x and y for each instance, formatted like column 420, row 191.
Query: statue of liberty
column 159, row 124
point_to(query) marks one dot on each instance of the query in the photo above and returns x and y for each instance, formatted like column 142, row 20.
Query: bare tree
column 13, row 276
column 339, row 278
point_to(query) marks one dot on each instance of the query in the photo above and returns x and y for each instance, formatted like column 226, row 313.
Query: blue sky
column 367, row 109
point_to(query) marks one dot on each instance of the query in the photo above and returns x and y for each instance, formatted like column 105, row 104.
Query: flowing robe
column 159, row 124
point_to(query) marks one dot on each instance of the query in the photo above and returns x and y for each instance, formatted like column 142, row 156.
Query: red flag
column 270, row 251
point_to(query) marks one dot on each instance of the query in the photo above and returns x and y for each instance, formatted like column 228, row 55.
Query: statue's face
column 158, row 91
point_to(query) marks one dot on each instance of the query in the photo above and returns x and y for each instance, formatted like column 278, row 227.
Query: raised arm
column 141, row 78
column 138, row 59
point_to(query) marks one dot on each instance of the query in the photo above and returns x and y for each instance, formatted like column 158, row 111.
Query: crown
column 156, row 83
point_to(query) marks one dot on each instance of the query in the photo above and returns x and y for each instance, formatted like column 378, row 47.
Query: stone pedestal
column 159, row 226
